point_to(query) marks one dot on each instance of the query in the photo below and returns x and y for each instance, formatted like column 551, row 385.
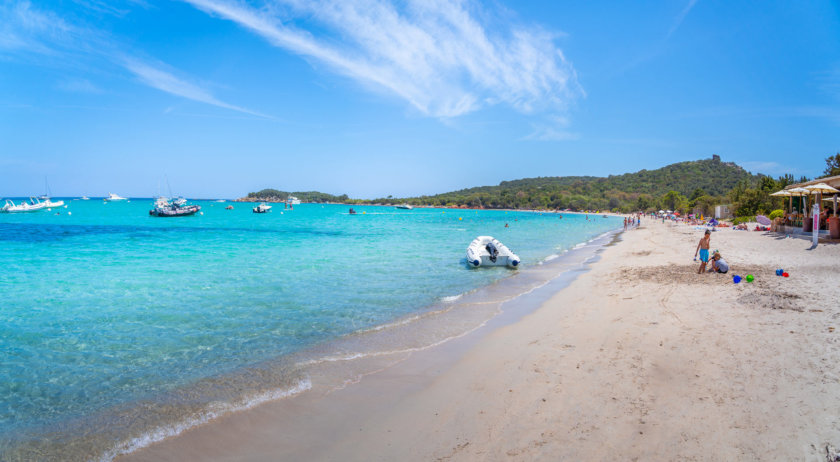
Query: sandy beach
column 639, row 358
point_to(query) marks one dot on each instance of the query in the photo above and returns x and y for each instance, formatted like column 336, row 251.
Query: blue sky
column 410, row 97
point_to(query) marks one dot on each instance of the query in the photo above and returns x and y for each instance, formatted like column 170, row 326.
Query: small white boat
column 85, row 198
column 487, row 251
column 405, row 207
column 292, row 200
column 262, row 208
column 114, row 197
column 45, row 198
column 34, row 205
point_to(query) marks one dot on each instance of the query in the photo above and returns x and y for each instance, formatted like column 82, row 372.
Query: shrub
column 776, row 214
column 739, row 220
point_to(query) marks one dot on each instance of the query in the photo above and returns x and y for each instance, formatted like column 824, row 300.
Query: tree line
column 693, row 186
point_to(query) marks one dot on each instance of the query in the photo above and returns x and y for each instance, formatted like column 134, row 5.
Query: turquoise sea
column 118, row 329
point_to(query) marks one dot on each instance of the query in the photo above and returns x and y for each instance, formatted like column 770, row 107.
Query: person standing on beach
column 703, row 248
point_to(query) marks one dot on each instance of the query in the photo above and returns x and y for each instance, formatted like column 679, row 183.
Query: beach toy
column 750, row 278
column 459, row 218
column 736, row 279
column 779, row 272
column 785, row 274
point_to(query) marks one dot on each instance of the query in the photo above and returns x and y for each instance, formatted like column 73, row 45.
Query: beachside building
column 831, row 224
column 833, row 181
column 722, row 211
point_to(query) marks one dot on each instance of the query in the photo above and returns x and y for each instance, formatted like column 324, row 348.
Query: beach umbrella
column 820, row 188
column 784, row 193
column 762, row 220
column 799, row 192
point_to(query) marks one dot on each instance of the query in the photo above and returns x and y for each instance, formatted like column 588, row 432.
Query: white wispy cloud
column 681, row 17
column 767, row 167
column 79, row 86
column 155, row 76
column 31, row 32
column 439, row 56
column 553, row 128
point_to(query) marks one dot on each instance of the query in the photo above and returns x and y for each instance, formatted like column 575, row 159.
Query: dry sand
column 638, row 359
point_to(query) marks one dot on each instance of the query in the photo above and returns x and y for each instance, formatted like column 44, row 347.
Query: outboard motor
column 492, row 250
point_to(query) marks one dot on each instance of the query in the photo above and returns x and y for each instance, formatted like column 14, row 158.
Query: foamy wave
column 579, row 246
column 401, row 322
column 213, row 411
column 553, row 256
column 451, row 298
column 376, row 354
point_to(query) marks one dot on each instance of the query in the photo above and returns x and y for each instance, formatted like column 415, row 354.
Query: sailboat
column 46, row 197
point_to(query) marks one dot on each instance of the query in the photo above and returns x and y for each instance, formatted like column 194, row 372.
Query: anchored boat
column 33, row 205
column 487, row 251
column 174, row 208
column 262, row 208
column 114, row 197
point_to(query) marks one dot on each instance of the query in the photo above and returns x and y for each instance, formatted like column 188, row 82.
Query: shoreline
column 565, row 268
column 638, row 356
column 326, row 367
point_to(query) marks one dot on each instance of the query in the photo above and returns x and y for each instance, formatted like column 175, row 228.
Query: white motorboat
column 34, row 205
column 174, row 208
column 45, row 199
column 262, row 208
column 487, row 251
column 405, row 207
column 292, row 200
column 114, row 197
column 85, row 198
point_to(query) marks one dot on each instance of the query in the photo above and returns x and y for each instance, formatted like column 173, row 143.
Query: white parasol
column 799, row 192
column 821, row 188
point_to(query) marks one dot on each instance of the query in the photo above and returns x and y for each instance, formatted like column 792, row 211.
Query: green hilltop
column 694, row 185
column 706, row 180
column 274, row 195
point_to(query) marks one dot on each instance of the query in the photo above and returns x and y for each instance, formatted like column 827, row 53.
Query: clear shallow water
column 107, row 309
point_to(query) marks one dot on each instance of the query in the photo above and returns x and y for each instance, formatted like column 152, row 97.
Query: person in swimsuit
column 719, row 265
column 703, row 248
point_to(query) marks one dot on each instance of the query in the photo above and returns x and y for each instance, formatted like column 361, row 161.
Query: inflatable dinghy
column 486, row 251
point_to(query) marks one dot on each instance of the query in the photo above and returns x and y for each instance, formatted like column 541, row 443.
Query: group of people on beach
column 632, row 221
column 719, row 265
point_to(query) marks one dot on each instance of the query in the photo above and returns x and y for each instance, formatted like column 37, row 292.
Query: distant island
column 685, row 186
column 275, row 195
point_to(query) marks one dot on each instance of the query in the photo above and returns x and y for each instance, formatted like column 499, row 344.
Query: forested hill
column 631, row 191
column 274, row 195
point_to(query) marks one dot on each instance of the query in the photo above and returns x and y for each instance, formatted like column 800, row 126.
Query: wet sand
column 638, row 359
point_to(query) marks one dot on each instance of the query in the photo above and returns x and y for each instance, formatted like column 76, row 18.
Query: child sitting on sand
column 703, row 247
column 719, row 265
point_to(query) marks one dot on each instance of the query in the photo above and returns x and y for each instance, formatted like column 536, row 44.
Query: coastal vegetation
column 274, row 195
column 686, row 187
column 681, row 186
